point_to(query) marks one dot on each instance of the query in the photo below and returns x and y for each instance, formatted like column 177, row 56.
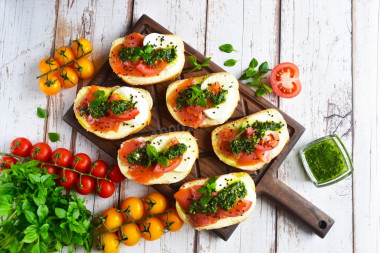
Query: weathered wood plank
column 252, row 28
column 316, row 36
column 366, row 114
column 26, row 37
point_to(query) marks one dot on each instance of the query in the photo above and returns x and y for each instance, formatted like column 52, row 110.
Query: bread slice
column 185, row 166
column 127, row 127
column 225, row 222
column 227, row 81
column 172, row 70
column 265, row 115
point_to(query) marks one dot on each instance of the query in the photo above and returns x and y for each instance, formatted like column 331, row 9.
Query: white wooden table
column 334, row 43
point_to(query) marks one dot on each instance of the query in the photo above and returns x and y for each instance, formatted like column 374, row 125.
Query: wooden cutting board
column 208, row 164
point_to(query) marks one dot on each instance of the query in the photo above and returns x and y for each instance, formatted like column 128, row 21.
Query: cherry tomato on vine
column 47, row 64
column 130, row 234
column 285, row 80
column 81, row 46
column 105, row 189
column 68, row 179
column 136, row 208
column 110, row 242
column 64, row 55
column 156, row 229
column 115, row 174
column 113, row 219
column 50, row 169
column 21, row 147
column 6, row 162
column 50, row 85
column 69, row 77
column 41, row 152
column 159, row 201
column 61, row 157
column 84, row 68
column 173, row 218
column 81, row 162
column 99, row 168
column 85, row 184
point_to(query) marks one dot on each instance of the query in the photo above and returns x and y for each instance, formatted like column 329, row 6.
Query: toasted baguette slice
column 265, row 115
column 183, row 168
column 224, row 111
column 172, row 70
column 144, row 104
column 228, row 221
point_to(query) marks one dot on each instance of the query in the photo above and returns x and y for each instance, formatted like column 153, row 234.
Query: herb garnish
column 194, row 95
column 198, row 66
column 41, row 113
column 54, row 137
column 230, row 62
column 147, row 54
column 227, row 48
column 256, row 77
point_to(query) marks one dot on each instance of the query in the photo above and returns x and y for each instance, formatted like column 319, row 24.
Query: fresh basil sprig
column 155, row 156
column 207, row 190
column 227, row 48
column 256, row 77
column 198, row 66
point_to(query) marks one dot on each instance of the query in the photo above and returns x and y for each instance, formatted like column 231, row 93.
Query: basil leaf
column 205, row 63
column 54, row 137
column 95, row 103
column 61, row 213
column 148, row 164
column 203, row 190
column 202, row 102
column 227, row 48
column 243, row 77
column 135, row 57
column 253, row 64
column 242, row 128
column 264, row 67
column 151, row 151
column 205, row 199
column 192, row 60
column 250, row 72
column 230, row 62
column 30, row 217
column 260, row 92
column 99, row 94
column 148, row 49
column 211, row 180
column 41, row 113
column 162, row 160
column 267, row 87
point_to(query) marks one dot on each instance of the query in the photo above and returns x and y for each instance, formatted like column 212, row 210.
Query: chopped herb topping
column 194, row 95
column 147, row 54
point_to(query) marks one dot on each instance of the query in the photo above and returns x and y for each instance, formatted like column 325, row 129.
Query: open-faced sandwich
column 113, row 112
column 216, row 202
column 203, row 101
column 147, row 59
column 158, row 159
column 251, row 142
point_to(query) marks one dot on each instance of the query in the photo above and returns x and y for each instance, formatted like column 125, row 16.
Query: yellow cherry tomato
column 155, row 228
column 174, row 218
column 159, row 202
column 47, row 64
column 64, row 55
column 84, row 68
column 131, row 233
column 113, row 219
column 81, row 46
column 69, row 77
column 110, row 242
column 49, row 84
column 136, row 208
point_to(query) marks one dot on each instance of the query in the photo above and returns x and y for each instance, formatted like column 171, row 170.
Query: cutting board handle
column 295, row 204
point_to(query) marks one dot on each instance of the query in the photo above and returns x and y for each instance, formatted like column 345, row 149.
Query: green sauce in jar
column 325, row 160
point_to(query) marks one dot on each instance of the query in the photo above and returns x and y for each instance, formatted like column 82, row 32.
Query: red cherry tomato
column 68, row 180
column 99, row 168
column 41, row 152
column 6, row 162
column 134, row 40
column 50, row 169
column 105, row 189
column 81, row 162
column 285, row 80
column 151, row 70
column 115, row 175
column 21, row 147
column 61, row 157
column 85, row 185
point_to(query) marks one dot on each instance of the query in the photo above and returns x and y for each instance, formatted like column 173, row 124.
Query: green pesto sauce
column 325, row 160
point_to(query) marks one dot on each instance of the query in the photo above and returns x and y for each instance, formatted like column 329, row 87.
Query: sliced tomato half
column 285, row 80
column 134, row 40
column 151, row 70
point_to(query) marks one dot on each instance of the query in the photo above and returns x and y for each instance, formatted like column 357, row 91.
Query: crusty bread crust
column 265, row 115
column 170, row 177
column 124, row 129
column 171, row 71
column 250, row 185
column 208, row 121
